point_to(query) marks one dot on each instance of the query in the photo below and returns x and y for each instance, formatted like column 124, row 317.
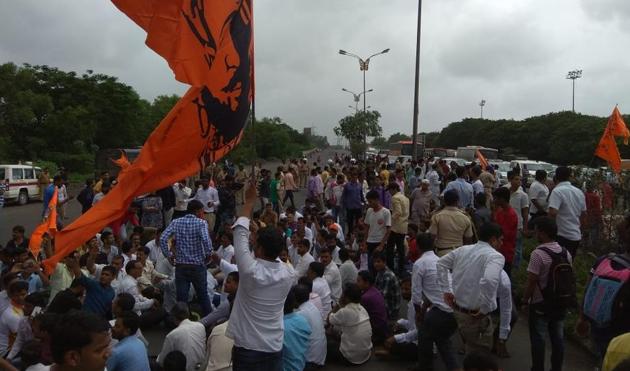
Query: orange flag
column 482, row 160
column 49, row 225
column 607, row 147
column 209, row 45
column 617, row 127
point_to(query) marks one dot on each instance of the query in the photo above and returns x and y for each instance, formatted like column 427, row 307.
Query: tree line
column 564, row 138
column 47, row 114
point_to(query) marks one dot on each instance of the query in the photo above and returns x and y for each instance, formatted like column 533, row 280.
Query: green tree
column 356, row 128
column 379, row 142
column 397, row 137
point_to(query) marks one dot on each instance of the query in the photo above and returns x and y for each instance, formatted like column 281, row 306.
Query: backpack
column 560, row 292
column 603, row 291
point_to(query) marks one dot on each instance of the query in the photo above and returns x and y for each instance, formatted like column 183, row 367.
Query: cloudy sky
column 513, row 53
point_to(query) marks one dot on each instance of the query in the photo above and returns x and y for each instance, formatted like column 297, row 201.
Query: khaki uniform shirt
column 400, row 213
column 450, row 226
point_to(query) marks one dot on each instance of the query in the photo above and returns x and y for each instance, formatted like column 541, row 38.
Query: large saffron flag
column 607, row 148
column 482, row 160
column 48, row 225
column 209, row 45
column 617, row 126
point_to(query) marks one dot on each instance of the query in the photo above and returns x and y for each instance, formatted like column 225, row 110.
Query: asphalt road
column 576, row 359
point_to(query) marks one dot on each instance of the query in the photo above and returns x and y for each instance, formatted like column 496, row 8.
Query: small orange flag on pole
column 607, row 147
column 48, row 225
column 482, row 160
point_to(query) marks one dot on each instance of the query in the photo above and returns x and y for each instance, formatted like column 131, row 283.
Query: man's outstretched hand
column 250, row 199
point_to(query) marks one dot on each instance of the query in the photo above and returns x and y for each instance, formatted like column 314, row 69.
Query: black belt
column 466, row 311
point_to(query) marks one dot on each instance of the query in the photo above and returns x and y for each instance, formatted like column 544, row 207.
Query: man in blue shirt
column 352, row 198
column 297, row 333
column 463, row 188
column 129, row 354
column 193, row 251
column 99, row 295
column 48, row 194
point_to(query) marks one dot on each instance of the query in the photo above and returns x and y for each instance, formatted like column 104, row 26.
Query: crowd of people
column 403, row 261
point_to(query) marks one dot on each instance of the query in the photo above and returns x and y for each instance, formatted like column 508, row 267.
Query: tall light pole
column 364, row 64
column 574, row 75
column 357, row 97
column 416, row 90
column 481, row 105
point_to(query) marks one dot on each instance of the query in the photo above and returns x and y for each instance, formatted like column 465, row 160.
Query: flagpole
column 414, row 137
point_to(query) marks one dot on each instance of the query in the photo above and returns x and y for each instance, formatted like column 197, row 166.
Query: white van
column 23, row 183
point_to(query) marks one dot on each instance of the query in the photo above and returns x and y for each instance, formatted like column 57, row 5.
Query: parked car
column 532, row 167
column 502, row 168
column 23, row 183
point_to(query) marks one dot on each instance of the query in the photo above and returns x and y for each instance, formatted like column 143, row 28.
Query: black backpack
column 560, row 293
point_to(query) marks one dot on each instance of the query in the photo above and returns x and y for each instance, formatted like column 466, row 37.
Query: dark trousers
column 352, row 216
column 539, row 326
column 396, row 240
column 437, row 327
column 252, row 360
column 197, row 276
column 371, row 246
column 571, row 246
column 288, row 194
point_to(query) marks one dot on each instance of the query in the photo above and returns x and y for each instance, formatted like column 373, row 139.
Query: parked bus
column 405, row 148
column 469, row 153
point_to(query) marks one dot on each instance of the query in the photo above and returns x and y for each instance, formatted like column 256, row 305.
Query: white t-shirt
column 519, row 201
column 378, row 222
column 538, row 192
column 226, row 253
column 570, row 203
column 356, row 332
column 9, row 323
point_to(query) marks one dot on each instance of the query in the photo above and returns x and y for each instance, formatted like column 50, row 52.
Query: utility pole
column 416, row 91
column 481, row 104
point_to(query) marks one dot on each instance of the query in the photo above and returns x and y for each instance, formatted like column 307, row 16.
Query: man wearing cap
column 451, row 226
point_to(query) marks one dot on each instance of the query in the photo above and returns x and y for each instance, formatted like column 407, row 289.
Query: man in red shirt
column 506, row 217
column 593, row 214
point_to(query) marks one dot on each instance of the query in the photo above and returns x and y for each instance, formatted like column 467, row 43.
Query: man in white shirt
column 320, row 286
column 567, row 204
column 434, row 317
column 256, row 322
column 182, row 194
column 476, row 272
column 434, row 184
column 209, row 197
column 477, row 184
column 316, row 353
column 538, row 194
column 188, row 337
column 304, row 258
column 379, row 222
column 10, row 318
column 520, row 203
column 154, row 247
column 129, row 284
column 405, row 343
column 331, row 275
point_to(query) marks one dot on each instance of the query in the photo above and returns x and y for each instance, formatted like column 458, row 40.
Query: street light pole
column 364, row 64
column 481, row 104
column 574, row 75
column 357, row 97
column 416, row 90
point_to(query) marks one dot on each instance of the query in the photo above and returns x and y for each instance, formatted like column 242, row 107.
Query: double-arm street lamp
column 364, row 64
column 357, row 97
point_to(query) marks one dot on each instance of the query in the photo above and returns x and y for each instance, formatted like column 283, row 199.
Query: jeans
column 518, row 252
column 397, row 240
column 252, row 360
column 197, row 275
column 437, row 327
column 572, row 246
column 288, row 194
column 352, row 216
column 539, row 326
